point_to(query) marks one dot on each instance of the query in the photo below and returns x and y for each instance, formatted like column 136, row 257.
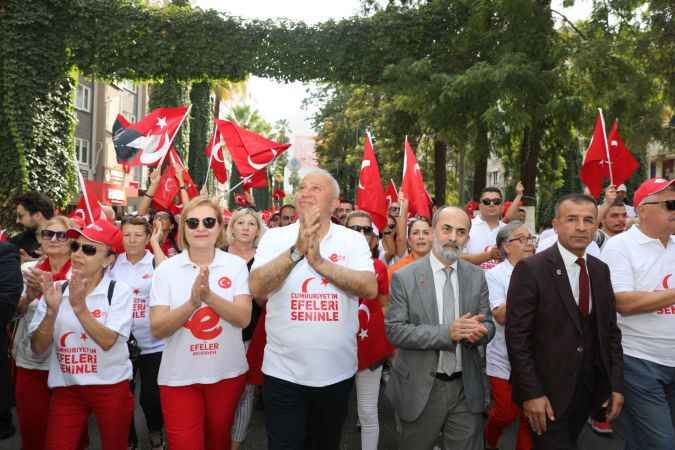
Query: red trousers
column 69, row 408
column 32, row 409
column 200, row 416
column 502, row 414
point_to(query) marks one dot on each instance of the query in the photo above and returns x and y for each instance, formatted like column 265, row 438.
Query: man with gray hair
column 312, row 272
column 438, row 316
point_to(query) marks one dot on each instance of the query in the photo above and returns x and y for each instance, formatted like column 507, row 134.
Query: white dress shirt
column 573, row 270
column 437, row 268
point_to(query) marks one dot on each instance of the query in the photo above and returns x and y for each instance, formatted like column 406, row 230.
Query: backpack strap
column 111, row 291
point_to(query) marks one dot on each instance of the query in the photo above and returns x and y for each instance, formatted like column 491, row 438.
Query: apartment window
column 83, row 151
column 493, row 178
column 83, row 98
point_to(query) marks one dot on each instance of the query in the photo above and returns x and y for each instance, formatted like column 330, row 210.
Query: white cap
column 621, row 188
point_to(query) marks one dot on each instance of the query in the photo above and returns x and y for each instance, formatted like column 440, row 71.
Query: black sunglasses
column 670, row 204
column 208, row 222
column 491, row 201
column 50, row 235
column 87, row 249
column 361, row 229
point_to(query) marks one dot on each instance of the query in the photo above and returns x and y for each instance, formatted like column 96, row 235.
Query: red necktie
column 584, row 288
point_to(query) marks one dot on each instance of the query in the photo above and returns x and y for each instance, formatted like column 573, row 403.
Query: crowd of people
column 468, row 320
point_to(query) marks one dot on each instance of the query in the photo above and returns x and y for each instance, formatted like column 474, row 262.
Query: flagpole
column 242, row 181
column 609, row 159
column 208, row 168
column 161, row 161
column 394, row 184
column 84, row 192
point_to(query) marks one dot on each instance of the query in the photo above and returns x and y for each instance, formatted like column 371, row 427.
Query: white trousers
column 367, row 395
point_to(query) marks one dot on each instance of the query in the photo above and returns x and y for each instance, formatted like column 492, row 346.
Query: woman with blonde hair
column 243, row 233
column 199, row 302
column 31, row 390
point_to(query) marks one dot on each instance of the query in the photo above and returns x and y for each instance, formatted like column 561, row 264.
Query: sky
column 278, row 100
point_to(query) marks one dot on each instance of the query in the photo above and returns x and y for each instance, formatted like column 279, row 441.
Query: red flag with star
column 596, row 168
column 624, row 163
column 148, row 140
column 215, row 151
column 412, row 185
column 369, row 193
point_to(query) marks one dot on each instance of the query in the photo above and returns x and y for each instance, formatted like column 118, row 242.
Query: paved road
column 351, row 438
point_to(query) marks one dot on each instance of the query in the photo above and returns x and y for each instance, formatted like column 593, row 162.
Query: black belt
column 445, row 377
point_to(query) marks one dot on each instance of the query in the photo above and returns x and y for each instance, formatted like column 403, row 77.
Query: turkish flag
column 81, row 213
column 217, row 161
column 192, row 190
column 595, row 168
column 147, row 141
column 278, row 194
column 256, row 180
column 624, row 163
column 412, row 185
column 391, row 194
column 369, row 193
column 250, row 151
column 166, row 190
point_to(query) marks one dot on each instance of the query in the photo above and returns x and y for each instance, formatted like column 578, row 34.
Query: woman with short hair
column 199, row 302
column 515, row 242
column 243, row 234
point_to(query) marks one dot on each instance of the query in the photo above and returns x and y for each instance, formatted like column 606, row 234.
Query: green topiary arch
column 45, row 41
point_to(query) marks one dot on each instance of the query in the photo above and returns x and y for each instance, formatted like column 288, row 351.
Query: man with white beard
column 438, row 317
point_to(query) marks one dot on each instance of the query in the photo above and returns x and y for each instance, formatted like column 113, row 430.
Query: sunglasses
column 670, row 204
column 361, row 229
column 50, row 235
column 208, row 222
column 491, row 201
column 87, row 249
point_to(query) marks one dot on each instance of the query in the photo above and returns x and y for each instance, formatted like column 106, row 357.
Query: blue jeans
column 649, row 409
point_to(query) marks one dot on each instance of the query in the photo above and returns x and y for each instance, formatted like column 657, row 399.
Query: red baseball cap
column 101, row 232
column 650, row 187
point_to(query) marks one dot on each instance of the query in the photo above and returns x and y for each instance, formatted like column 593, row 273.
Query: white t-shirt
column 139, row 278
column 76, row 359
column 481, row 239
column 639, row 263
column 22, row 351
column 311, row 324
column 497, row 356
column 545, row 243
column 206, row 349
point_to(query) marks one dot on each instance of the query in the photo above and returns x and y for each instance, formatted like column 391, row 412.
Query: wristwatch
column 296, row 256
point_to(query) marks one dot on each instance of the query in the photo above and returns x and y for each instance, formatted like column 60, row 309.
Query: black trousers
column 303, row 417
column 148, row 367
column 6, row 315
column 564, row 432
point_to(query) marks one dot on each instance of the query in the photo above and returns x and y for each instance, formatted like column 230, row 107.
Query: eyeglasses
column 491, row 201
column 208, row 222
column 52, row 235
column 87, row 249
column 523, row 240
column 670, row 204
column 361, row 229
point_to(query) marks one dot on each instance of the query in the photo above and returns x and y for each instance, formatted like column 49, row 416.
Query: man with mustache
column 439, row 314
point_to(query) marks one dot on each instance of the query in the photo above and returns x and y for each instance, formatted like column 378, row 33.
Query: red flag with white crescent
column 412, row 185
column 369, row 193
column 215, row 151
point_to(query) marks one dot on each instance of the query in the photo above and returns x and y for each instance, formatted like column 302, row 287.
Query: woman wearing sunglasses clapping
column 199, row 303
column 86, row 323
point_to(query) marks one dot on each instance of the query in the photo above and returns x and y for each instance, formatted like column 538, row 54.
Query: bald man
column 439, row 315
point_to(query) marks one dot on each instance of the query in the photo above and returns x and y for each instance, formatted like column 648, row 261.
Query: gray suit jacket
column 412, row 326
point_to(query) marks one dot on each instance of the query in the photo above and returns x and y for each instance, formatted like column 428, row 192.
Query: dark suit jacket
column 543, row 331
column 11, row 280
